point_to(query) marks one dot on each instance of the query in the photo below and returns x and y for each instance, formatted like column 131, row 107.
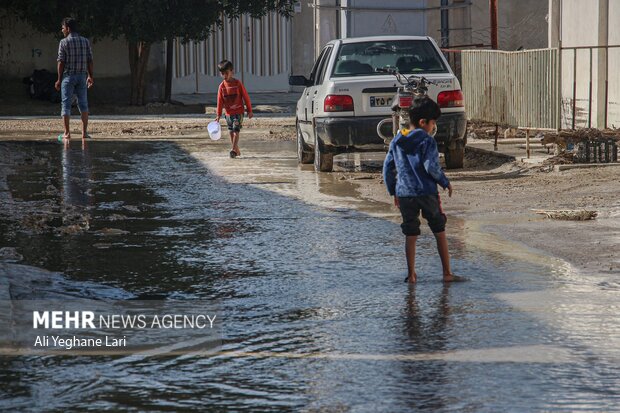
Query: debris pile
column 561, row 159
column 567, row 214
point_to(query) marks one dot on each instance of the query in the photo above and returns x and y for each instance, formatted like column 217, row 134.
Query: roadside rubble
column 567, row 214
column 580, row 146
column 561, row 159
column 10, row 254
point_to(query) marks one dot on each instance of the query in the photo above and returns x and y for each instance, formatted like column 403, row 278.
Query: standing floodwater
column 314, row 309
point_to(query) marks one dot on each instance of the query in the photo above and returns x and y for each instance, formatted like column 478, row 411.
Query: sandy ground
column 500, row 199
column 150, row 127
column 494, row 195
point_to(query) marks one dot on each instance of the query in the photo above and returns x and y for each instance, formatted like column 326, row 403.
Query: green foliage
column 255, row 8
column 46, row 16
column 140, row 20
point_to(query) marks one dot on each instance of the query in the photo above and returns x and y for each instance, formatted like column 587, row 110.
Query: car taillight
column 338, row 103
column 450, row 99
column 405, row 101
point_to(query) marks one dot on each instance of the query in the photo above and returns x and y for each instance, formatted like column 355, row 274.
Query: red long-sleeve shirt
column 231, row 95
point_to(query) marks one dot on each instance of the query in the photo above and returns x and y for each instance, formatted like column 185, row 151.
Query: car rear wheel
column 304, row 154
column 455, row 157
column 323, row 162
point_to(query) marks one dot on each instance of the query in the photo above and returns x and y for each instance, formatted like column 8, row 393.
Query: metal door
column 260, row 50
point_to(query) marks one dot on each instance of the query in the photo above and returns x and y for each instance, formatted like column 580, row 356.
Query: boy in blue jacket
column 411, row 173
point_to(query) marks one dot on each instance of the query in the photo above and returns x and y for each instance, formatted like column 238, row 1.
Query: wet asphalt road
column 308, row 280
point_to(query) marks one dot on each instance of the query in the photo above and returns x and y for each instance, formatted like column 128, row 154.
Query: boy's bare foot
column 451, row 278
column 411, row 278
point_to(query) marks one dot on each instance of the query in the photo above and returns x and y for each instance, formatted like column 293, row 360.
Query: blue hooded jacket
column 411, row 167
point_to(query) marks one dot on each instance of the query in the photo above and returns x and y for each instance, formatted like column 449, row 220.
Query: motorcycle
column 411, row 87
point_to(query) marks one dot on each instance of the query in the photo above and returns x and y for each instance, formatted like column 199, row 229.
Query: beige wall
column 303, row 40
column 521, row 23
column 590, row 23
column 22, row 50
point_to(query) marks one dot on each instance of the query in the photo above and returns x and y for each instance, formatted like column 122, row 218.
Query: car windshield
column 408, row 56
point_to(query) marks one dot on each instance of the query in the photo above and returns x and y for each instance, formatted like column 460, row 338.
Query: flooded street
column 308, row 279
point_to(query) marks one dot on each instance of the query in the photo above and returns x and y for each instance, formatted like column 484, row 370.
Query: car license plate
column 380, row 101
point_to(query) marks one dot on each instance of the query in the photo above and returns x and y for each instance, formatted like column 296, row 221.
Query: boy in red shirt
column 231, row 96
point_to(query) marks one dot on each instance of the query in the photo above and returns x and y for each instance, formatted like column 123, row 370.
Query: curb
column 481, row 151
column 559, row 168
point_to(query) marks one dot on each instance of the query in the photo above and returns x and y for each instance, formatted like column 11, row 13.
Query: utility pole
column 554, row 23
column 169, row 63
column 602, row 91
column 493, row 14
column 494, row 46
column 445, row 24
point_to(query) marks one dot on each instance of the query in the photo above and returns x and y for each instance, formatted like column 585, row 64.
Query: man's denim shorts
column 70, row 85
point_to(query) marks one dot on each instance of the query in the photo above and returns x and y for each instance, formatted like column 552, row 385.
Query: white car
column 348, row 93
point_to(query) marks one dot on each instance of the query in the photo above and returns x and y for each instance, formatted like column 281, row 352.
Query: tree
column 140, row 22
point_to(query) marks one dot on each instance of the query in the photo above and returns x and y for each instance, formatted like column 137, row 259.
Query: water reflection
column 425, row 328
column 77, row 177
column 427, row 331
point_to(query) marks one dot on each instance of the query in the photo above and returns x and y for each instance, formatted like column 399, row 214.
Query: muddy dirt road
column 143, row 127
column 490, row 193
column 500, row 199
column 308, row 273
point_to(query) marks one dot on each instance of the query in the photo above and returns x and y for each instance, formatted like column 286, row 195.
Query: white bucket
column 215, row 131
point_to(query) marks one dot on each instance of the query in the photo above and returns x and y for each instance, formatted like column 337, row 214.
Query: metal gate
column 260, row 50
column 519, row 89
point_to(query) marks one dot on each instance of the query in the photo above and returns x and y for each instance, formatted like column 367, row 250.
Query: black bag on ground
column 41, row 86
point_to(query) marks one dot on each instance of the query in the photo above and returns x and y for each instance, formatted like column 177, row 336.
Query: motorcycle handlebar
column 406, row 80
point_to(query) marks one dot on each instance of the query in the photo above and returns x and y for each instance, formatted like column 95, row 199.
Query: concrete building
column 522, row 24
column 266, row 51
column 590, row 84
column 22, row 50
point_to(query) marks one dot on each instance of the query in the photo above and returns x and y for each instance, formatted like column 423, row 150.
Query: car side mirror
column 298, row 81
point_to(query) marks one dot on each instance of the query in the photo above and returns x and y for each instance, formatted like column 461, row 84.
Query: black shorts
column 234, row 122
column 430, row 205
